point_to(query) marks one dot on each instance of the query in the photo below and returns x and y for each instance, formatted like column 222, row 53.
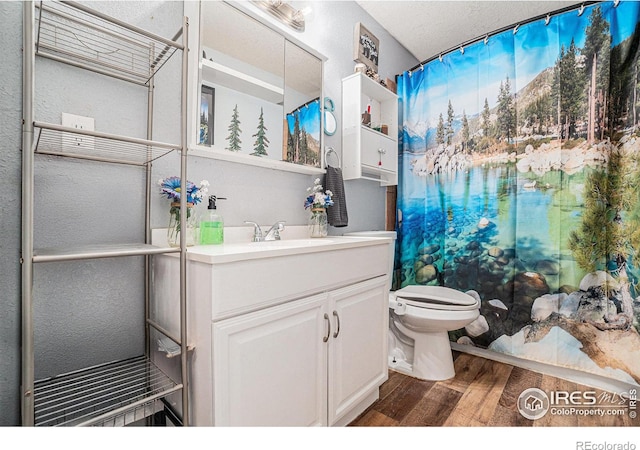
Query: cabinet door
column 379, row 151
column 270, row 366
column 358, row 354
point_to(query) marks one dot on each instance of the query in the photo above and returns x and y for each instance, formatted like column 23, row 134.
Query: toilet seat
column 423, row 297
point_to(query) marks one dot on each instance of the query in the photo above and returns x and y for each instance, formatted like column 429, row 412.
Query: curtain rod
column 514, row 26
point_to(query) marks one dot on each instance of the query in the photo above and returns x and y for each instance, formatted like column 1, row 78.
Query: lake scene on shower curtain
column 520, row 184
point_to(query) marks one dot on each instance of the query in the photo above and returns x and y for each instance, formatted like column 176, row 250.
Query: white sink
column 239, row 251
column 238, row 245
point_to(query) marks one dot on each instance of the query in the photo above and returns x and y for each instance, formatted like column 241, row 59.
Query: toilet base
column 433, row 360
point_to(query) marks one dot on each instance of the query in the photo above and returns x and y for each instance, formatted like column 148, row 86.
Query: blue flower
column 170, row 187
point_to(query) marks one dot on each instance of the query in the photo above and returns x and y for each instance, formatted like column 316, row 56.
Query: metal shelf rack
column 57, row 140
column 75, row 34
column 115, row 393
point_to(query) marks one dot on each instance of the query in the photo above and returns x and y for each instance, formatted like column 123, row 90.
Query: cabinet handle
column 326, row 317
column 335, row 314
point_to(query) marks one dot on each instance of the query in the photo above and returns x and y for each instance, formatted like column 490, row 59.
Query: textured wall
column 91, row 312
column 10, row 110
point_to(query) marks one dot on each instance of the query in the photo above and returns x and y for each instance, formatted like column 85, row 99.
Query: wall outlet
column 77, row 142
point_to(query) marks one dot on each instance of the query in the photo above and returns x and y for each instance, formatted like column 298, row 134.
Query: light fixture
column 284, row 12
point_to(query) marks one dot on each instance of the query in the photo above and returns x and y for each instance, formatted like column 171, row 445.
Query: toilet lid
column 436, row 297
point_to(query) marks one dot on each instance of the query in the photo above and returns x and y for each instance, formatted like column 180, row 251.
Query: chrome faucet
column 257, row 232
column 274, row 232
column 272, row 235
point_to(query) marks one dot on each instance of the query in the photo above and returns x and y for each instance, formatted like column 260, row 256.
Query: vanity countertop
column 239, row 247
column 230, row 252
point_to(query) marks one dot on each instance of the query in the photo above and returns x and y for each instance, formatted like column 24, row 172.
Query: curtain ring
column 422, row 67
column 547, row 20
column 581, row 10
column 440, row 57
column 486, row 39
column 616, row 3
column 515, row 29
column 462, row 49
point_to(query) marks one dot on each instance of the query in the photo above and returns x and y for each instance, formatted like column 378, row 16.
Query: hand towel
column 336, row 214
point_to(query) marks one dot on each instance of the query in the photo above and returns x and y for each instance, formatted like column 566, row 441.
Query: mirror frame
column 330, row 122
column 193, row 11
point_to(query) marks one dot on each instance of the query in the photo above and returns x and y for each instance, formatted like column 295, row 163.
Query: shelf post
column 183, row 225
column 28, row 62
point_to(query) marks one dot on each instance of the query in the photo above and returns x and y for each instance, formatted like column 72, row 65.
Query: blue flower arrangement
column 170, row 187
column 317, row 198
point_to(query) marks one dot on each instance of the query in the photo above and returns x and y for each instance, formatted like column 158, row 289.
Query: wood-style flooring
column 483, row 393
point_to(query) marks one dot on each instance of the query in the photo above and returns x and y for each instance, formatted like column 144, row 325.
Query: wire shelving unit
column 115, row 393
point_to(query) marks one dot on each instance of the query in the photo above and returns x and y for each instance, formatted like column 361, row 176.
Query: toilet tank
column 392, row 247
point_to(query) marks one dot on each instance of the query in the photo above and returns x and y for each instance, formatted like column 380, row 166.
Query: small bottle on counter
column 212, row 225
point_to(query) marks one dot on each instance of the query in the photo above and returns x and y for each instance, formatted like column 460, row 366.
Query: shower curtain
column 519, row 184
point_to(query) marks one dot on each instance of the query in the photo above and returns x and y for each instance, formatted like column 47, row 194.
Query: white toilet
column 420, row 318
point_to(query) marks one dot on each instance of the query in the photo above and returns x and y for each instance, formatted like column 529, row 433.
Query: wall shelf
column 369, row 154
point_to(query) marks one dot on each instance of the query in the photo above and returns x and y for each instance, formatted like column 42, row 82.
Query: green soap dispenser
column 212, row 225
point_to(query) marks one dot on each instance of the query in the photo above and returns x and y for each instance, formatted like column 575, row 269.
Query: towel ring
column 328, row 152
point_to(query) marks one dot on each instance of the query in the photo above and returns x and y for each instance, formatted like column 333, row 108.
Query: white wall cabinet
column 368, row 152
column 304, row 363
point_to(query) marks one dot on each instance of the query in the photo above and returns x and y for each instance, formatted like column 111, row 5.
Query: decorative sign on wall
column 365, row 47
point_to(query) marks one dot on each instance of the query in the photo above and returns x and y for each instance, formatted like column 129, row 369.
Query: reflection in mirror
column 259, row 91
column 243, row 63
column 330, row 123
column 303, row 91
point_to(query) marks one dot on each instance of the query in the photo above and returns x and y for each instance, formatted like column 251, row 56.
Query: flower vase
column 318, row 223
column 173, row 232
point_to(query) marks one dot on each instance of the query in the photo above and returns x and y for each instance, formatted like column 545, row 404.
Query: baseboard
column 575, row 376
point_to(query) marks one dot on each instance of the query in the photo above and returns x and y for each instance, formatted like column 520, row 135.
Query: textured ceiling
column 427, row 28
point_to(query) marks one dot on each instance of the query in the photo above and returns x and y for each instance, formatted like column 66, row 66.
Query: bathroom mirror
column 330, row 123
column 266, row 90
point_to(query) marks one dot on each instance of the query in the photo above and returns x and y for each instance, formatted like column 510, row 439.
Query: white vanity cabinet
column 285, row 333
column 369, row 150
column 307, row 362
